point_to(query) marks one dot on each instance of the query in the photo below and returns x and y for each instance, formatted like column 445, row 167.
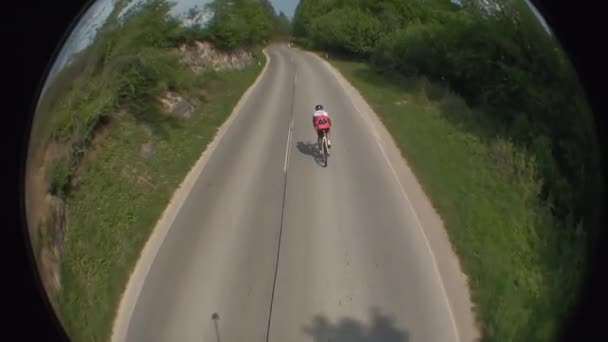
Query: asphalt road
column 271, row 246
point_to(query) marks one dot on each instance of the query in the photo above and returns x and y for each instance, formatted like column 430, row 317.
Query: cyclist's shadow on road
column 311, row 149
column 380, row 328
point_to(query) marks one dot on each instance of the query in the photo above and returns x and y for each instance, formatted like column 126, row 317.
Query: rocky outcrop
column 46, row 216
column 204, row 56
column 52, row 246
column 175, row 105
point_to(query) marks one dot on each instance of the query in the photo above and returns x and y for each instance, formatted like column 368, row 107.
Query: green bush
column 241, row 23
column 348, row 29
column 59, row 178
column 187, row 35
column 140, row 78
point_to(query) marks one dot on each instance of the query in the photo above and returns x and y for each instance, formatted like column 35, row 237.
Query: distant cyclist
column 321, row 122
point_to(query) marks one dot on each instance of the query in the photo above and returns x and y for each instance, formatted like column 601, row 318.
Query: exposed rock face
column 174, row 104
column 46, row 216
column 56, row 218
column 52, row 250
column 203, row 56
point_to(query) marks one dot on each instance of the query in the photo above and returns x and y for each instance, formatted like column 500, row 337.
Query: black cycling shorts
column 320, row 132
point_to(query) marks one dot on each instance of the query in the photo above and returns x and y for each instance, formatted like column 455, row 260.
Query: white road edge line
column 140, row 271
column 407, row 199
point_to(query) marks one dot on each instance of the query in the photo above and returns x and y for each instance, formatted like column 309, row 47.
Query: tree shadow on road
column 381, row 329
column 311, row 149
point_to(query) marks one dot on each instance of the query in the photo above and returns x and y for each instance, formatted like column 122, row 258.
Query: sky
column 84, row 32
column 286, row 6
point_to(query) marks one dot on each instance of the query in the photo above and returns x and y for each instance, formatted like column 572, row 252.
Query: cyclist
column 321, row 122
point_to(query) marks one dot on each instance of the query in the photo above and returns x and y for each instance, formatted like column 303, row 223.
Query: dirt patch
column 52, row 231
column 147, row 151
column 36, row 184
column 45, row 215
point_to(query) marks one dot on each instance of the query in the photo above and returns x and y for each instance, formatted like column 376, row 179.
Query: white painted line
column 163, row 225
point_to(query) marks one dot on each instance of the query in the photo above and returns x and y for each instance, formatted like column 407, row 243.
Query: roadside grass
column 119, row 196
column 522, row 264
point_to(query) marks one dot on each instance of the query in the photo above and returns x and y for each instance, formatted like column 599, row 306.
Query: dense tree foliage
column 240, row 22
column 498, row 57
column 236, row 24
column 283, row 26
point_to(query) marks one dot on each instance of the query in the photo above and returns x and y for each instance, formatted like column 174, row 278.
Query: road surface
column 271, row 246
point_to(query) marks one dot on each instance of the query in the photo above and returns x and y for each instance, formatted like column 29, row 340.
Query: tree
column 240, row 23
column 283, row 26
column 306, row 12
column 350, row 30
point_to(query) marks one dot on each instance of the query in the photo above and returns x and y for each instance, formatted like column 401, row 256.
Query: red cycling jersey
column 321, row 120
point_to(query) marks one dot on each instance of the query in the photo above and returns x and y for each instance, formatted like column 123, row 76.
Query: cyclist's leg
column 328, row 140
column 319, row 138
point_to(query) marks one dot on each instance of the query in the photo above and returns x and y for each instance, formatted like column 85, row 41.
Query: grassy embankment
column 119, row 199
column 102, row 111
column 520, row 268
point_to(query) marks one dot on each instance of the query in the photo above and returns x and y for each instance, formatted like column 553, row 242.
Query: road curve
column 271, row 246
